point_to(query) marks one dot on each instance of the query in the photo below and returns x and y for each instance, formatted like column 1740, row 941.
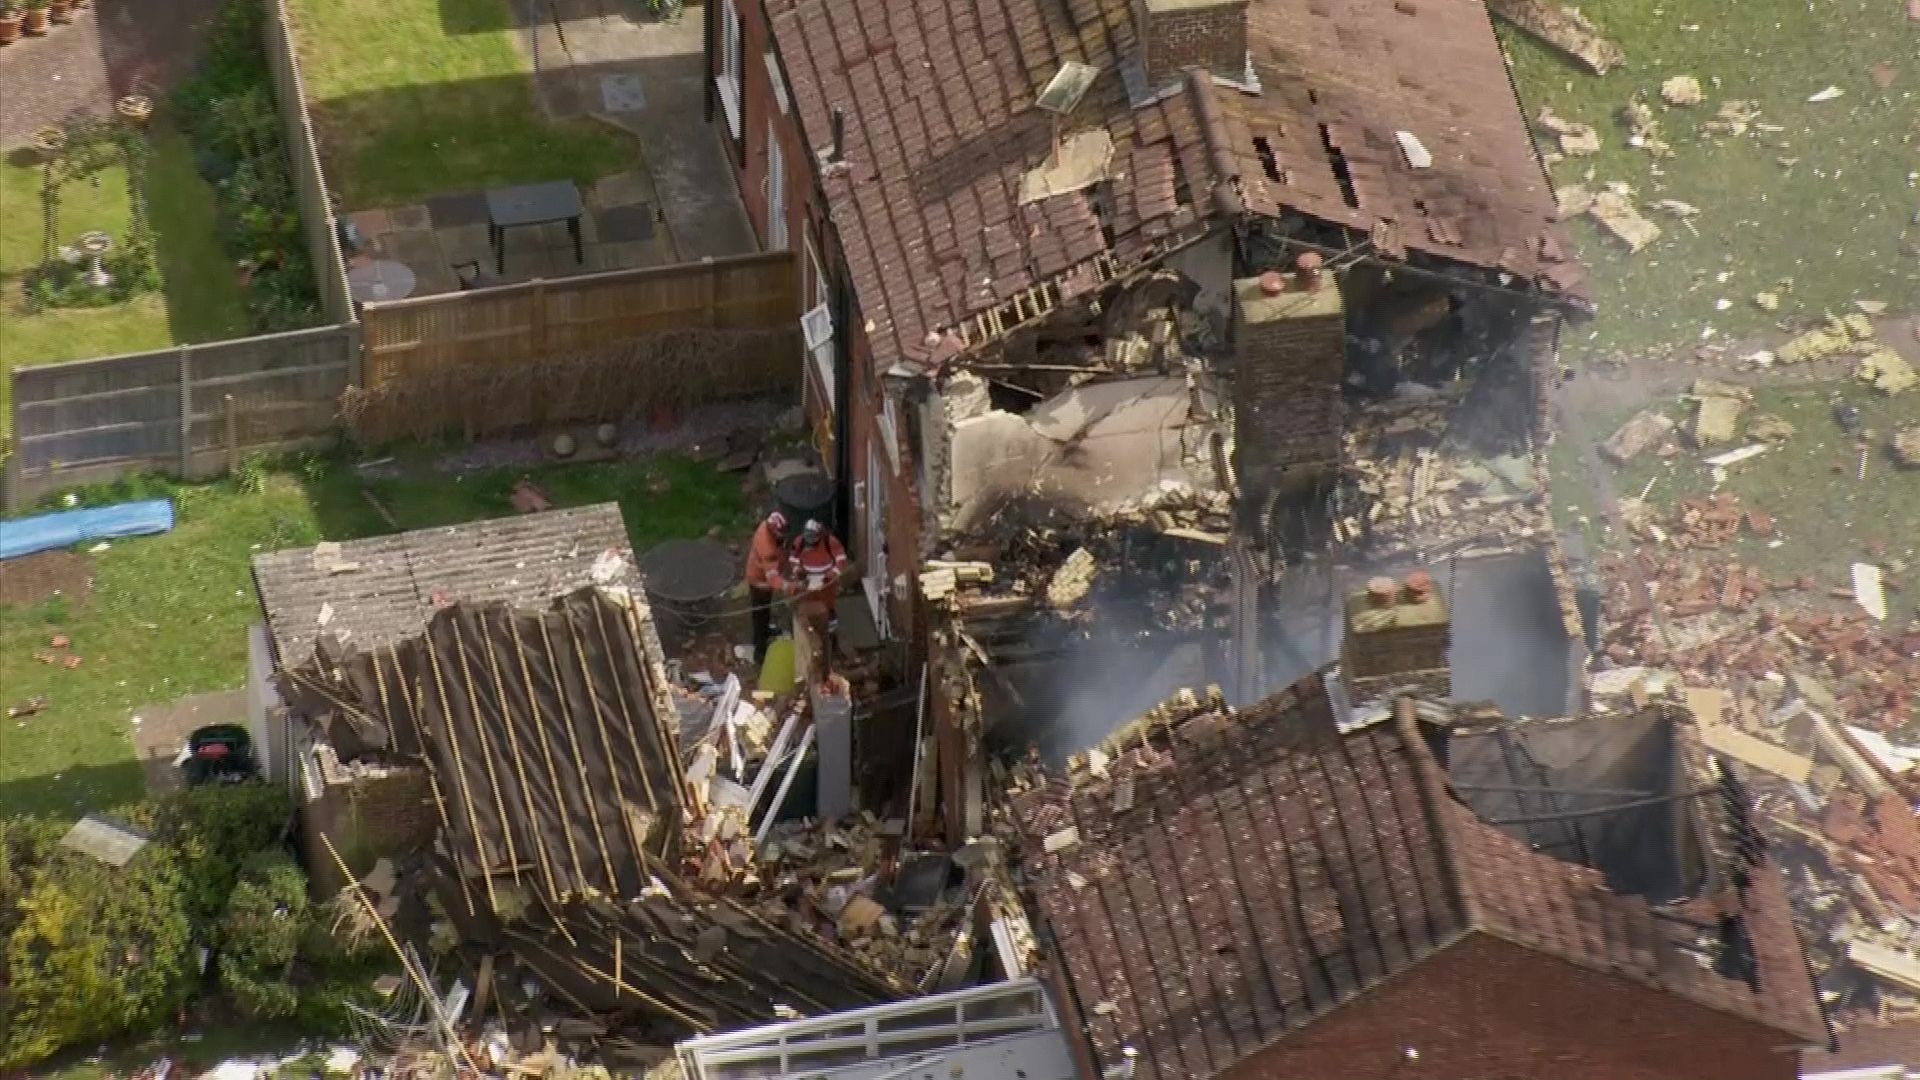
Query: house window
column 776, row 200
column 729, row 79
column 818, row 325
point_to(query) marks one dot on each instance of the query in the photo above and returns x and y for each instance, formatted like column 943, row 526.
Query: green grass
column 408, row 106
column 169, row 614
column 1826, row 517
column 1832, row 223
column 219, row 1042
column 201, row 301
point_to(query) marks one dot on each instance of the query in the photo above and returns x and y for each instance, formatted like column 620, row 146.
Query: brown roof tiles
column 1232, row 878
column 940, row 126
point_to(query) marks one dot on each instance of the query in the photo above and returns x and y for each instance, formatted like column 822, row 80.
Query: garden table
column 532, row 204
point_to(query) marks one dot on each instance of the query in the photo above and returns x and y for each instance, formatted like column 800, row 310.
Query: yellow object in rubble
column 776, row 671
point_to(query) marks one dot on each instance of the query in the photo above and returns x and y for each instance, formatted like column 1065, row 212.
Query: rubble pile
column 850, row 884
column 1416, row 493
column 1820, row 706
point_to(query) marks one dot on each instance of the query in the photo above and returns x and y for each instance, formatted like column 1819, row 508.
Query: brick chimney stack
column 1398, row 635
column 1290, row 353
column 1179, row 34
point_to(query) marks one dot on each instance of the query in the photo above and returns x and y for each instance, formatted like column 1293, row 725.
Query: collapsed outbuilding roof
column 1297, row 865
column 933, row 110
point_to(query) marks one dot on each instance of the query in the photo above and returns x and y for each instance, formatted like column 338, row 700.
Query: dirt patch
column 35, row 579
column 162, row 729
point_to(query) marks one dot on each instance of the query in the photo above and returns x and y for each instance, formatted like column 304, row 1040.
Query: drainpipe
column 843, row 314
column 710, row 94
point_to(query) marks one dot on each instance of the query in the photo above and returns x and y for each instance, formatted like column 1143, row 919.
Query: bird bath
column 95, row 245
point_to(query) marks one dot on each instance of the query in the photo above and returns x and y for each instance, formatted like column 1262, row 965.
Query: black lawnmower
column 217, row 754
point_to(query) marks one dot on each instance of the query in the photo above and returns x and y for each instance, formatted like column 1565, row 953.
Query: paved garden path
column 112, row 47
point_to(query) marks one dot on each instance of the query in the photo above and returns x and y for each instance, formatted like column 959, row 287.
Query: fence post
column 539, row 318
column 186, row 412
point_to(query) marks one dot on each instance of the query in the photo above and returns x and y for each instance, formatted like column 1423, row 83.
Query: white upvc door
column 875, row 577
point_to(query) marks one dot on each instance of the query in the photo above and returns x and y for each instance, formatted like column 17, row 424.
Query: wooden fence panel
column 309, row 182
column 94, row 420
column 514, row 324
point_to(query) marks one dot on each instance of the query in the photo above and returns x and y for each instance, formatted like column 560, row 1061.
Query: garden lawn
column 1822, row 232
column 169, row 614
column 201, row 301
column 409, row 106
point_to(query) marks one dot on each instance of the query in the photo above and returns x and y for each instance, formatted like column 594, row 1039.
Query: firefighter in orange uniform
column 764, row 557
column 816, row 561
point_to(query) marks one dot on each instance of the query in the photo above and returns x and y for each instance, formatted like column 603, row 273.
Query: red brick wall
column 902, row 489
column 1488, row 1010
column 762, row 121
column 1194, row 33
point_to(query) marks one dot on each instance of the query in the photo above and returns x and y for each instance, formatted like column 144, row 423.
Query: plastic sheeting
column 45, row 532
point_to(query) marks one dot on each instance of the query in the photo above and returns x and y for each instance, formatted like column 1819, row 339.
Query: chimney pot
column 1381, row 591
column 1309, row 264
column 839, row 151
column 1273, row 283
column 1419, row 586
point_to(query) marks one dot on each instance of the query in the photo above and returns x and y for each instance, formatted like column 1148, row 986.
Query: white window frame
column 775, row 190
column 887, row 419
column 779, row 83
column 729, row 79
column 874, row 579
column 823, row 351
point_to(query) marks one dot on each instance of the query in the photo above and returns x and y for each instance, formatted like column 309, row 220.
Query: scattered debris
column 1886, row 371
column 1647, row 428
column 1072, row 581
column 32, row 705
column 1734, row 118
column 1677, row 208
column 1564, row 28
column 1716, row 419
column 1829, row 94
column 1768, row 428
column 1853, row 333
column 1576, row 139
column 1906, row 447
column 1643, row 127
column 527, row 498
column 1416, row 154
column 1766, row 301
column 1883, row 74
column 1869, row 590
column 1681, row 91
column 1613, row 208
column 1734, row 457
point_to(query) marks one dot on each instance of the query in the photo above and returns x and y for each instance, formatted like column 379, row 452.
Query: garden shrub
column 261, row 935
column 236, row 129
column 94, row 951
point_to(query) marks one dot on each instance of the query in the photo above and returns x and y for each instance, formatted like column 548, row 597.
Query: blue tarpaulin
column 24, row 536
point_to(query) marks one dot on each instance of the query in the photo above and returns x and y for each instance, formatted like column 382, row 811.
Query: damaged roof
column 690, row 963
column 545, row 734
column 941, row 128
column 379, row 590
column 1227, row 879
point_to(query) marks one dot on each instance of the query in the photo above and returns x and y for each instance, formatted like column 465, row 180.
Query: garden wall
column 185, row 411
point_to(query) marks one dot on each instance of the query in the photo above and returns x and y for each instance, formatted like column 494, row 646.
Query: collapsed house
column 1241, row 302
column 1420, row 887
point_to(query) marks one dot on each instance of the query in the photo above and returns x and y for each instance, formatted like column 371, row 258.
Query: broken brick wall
column 1487, row 1008
column 1289, row 358
column 1179, row 34
column 367, row 817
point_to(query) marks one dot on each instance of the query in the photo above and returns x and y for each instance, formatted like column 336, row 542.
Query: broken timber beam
column 1565, row 29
